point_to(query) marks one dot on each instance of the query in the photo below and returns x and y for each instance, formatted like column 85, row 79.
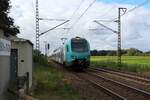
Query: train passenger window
column 67, row 48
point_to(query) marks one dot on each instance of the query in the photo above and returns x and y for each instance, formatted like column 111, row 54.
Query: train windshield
column 79, row 45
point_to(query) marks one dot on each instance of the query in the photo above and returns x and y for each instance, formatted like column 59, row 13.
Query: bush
column 39, row 58
column 49, row 84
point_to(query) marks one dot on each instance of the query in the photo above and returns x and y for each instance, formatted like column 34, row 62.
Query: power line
column 138, row 6
column 105, row 26
column 76, row 11
column 83, row 14
column 48, row 19
column 134, row 8
column 95, row 29
column 105, row 20
column 86, row 10
column 54, row 27
column 77, row 8
column 107, row 12
column 130, row 10
column 32, row 2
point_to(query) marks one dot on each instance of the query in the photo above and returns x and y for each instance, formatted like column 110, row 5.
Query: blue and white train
column 75, row 53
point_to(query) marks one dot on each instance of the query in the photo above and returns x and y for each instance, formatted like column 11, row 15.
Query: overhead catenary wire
column 138, row 6
column 53, row 27
column 106, row 27
column 77, row 9
column 107, row 12
column 33, row 7
column 86, row 10
column 82, row 14
column 130, row 10
column 62, row 19
column 105, row 20
column 48, row 19
column 134, row 8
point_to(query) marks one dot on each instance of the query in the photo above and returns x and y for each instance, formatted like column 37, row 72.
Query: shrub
column 39, row 58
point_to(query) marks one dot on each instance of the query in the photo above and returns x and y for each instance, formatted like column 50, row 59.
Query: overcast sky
column 135, row 24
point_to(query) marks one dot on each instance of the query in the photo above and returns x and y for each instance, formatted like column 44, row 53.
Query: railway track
column 114, row 95
column 115, row 88
column 134, row 77
column 132, row 80
column 86, row 90
column 119, row 90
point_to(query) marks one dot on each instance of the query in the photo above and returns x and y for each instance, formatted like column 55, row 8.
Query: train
column 75, row 53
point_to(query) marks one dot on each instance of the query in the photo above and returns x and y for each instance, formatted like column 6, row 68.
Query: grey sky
column 135, row 25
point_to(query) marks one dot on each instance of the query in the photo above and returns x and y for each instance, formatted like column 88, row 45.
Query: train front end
column 78, row 53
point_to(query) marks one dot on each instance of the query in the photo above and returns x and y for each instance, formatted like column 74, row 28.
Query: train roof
column 77, row 38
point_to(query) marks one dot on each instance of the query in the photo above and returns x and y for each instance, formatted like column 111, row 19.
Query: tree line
column 125, row 52
column 6, row 22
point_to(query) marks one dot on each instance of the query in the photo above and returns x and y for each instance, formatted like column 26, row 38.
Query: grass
column 138, row 64
column 49, row 85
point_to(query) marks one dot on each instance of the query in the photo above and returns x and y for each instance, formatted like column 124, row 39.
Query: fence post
column 27, row 83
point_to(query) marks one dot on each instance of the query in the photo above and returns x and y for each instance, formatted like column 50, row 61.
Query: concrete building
column 5, row 47
column 16, row 64
column 22, row 49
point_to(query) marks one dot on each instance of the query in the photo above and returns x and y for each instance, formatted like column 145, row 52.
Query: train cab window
column 79, row 45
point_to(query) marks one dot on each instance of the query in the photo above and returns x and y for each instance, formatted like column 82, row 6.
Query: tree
column 39, row 58
column 94, row 52
column 133, row 52
column 6, row 22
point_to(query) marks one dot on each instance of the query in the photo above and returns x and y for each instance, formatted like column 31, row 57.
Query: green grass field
column 141, row 60
column 130, row 63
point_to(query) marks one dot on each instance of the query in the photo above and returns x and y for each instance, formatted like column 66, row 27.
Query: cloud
column 135, row 25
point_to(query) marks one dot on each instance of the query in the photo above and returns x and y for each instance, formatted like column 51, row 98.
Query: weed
column 49, row 85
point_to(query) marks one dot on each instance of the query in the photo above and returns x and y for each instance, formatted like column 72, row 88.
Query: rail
column 108, row 91
column 123, row 74
column 122, row 84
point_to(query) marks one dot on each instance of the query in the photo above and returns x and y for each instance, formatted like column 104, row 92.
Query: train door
column 61, row 55
column 64, row 54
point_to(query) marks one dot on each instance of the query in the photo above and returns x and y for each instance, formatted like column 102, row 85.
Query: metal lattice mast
column 119, row 38
column 118, row 32
column 119, row 53
column 37, row 26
